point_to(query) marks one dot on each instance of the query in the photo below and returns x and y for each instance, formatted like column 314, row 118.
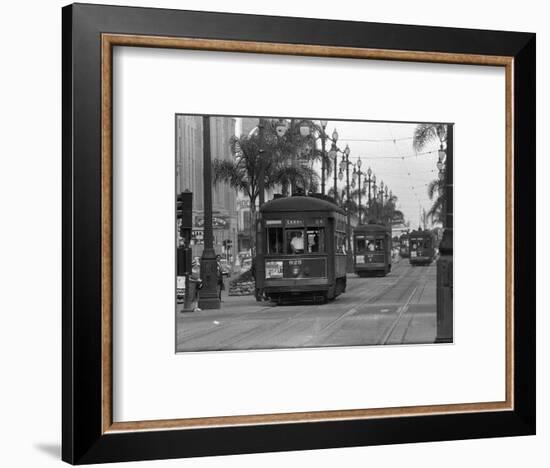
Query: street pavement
column 397, row 309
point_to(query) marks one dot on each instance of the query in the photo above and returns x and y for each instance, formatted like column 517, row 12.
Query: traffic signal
column 227, row 244
column 184, row 212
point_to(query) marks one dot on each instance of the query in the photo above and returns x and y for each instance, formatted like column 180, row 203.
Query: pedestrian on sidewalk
column 195, row 284
column 221, row 285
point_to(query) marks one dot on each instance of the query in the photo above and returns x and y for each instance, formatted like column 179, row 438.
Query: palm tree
column 243, row 172
column 427, row 133
column 423, row 135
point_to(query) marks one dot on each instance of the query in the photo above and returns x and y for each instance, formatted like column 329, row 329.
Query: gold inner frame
column 108, row 41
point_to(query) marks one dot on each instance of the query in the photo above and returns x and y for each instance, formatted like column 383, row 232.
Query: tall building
column 189, row 176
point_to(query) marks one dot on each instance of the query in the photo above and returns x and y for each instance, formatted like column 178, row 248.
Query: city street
column 397, row 309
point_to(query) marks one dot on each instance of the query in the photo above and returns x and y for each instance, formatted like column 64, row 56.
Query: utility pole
column 444, row 289
column 208, row 295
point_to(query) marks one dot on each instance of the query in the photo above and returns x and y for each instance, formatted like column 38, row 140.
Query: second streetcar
column 372, row 249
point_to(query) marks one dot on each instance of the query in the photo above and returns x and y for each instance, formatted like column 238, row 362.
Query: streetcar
column 372, row 249
column 421, row 247
column 300, row 250
column 404, row 246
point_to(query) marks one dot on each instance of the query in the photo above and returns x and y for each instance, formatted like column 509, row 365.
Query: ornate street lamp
column 305, row 128
column 359, row 174
column 347, row 152
column 324, row 153
column 281, row 127
column 334, row 156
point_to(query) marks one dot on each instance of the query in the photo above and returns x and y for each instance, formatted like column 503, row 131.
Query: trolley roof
column 299, row 203
column 371, row 228
column 421, row 233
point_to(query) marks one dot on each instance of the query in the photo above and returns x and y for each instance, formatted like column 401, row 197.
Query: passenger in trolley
column 297, row 242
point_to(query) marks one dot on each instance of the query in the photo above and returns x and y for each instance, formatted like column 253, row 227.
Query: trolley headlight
column 295, row 270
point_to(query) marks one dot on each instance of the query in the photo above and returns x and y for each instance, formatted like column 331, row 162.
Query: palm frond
column 426, row 133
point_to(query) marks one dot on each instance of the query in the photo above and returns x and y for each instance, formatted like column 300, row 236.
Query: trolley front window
column 274, row 240
column 315, row 237
column 295, row 241
column 369, row 244
column 421, row 243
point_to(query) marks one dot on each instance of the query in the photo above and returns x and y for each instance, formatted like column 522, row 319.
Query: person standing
column 219, row 271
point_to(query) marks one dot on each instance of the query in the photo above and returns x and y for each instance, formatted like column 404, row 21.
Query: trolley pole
column 208, row 296
column 444, row 290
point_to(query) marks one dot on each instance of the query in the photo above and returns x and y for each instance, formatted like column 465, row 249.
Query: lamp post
column 345, row 161
column 380, row 196
column 375, row 195
column 333, row 153
column 323, row 137
column 357, row 174
column 369, row 180
column 208, row 297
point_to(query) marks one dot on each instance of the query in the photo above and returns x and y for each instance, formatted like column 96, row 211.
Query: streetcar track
column 186, row 333
column 400, row 285
column 400, row 313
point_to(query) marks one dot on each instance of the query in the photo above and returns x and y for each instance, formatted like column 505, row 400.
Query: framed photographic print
column 288, row 233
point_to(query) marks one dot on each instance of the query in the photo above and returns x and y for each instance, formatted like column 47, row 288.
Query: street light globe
column 369, row 172
column 359, row 163
column 304, row 129
column 324, row 123
column 441, row 154
column 353, row 183
column 335, row 136
column 347, row 151
column 340, row 174
column 374, row 179
column 281, row 128
column 333, row 154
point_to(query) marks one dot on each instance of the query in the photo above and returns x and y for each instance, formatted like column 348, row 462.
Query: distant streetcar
column 404, row 246
column 421, row 247
column 300, row 250
column 372, row 249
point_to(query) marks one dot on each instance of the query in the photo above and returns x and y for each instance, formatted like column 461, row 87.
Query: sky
column 387, row 149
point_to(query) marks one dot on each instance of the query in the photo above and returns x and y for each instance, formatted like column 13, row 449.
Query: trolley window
column 295, row 241
column 274, row 240
column 341, row 243
column 369, row 244
column 421, row 243
column 315, row 239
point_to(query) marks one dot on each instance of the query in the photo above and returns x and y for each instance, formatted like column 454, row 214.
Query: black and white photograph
column 300, row 232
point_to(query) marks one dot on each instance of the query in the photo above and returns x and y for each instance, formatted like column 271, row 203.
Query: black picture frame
column 84, row 440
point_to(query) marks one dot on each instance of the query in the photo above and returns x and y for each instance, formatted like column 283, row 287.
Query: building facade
column 189, row 176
